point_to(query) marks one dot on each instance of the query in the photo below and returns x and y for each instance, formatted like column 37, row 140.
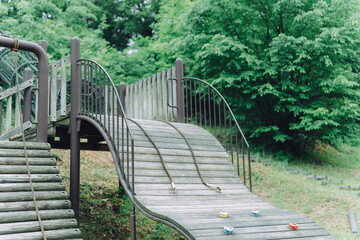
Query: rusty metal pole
column 74, row 134
column 121, row 91
column 179, row 66
column 27, row 97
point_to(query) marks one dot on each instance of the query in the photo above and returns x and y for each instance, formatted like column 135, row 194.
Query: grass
column 104, row 209
column 105, row 212
column 293, row 187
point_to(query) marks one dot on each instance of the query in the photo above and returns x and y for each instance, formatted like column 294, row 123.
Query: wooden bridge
column 178, row 150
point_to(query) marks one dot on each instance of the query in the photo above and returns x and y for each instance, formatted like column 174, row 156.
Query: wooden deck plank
column 270, row 235
column 18, row 218
column 23, row 178
column 32, row 161
column 194, row 206
column 33, row 226
column 53, row 234
column 21, row 187
column 12, row 169
column 27, row 196
column 28, row 205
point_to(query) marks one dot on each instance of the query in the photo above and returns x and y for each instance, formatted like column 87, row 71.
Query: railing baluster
column 158, row 96
column 237, row 153
column 204, row 98
column 153, row 115
column 191, row 104
column 164, row 97
column 243, row 158
column 8, row 114
column 214, row 102
column 208, row 88
column 219, row 109
column 225, row 138
column 195, row 97
column 200, row 104
column 92, row 89
column 231, row 143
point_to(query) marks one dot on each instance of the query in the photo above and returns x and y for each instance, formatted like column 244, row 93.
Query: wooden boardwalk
column 194, row 207
column 18, row 218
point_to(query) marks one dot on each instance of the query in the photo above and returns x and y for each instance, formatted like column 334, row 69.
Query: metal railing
column 100, row 101
column 207, row 108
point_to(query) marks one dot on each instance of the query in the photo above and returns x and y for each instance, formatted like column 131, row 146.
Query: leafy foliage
column 291, row 65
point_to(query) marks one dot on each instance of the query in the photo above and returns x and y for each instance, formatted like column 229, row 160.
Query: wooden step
column 27, row 196
column 20, row 145
column 24, row 178
column 21, row 187
column 32, row 161
column 22, row 216
column 12, row 169
column 33, row 226
column 53, row 234
column 29, row 205
column 21, row 153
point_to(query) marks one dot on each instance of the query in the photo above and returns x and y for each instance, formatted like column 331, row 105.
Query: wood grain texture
column 18, row 219
column 193, row 206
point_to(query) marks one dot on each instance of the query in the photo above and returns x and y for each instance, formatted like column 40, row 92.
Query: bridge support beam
column 179, row 66
column 74, row 134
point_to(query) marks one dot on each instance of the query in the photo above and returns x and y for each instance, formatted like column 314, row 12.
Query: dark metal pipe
column 74, row 135
column 42, row 129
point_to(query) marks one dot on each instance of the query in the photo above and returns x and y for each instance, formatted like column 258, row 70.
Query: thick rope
column 15, row 49
column 158, row 151
column 193, row 156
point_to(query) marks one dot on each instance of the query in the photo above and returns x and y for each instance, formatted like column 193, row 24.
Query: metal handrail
column 200, row 103
column 87, row 96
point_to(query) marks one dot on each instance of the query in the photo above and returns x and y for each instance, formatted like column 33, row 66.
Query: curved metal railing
column 206, row 107
column 100, row 102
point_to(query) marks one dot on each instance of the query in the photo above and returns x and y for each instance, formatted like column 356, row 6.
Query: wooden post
column 180, row 90
column 121, row 91
column 27, row 97
column 74, row 134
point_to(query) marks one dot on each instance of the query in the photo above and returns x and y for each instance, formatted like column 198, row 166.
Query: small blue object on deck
column 228, row 230
column 255, row 213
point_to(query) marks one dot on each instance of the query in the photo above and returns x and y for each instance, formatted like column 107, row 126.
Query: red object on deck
column 293, row 226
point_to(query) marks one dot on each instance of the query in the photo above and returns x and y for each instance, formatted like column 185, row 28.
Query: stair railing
column 207, row 108
column 94, row 98
column 10, row 98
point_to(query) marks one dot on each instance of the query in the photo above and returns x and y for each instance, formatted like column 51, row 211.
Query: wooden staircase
column 18, row 219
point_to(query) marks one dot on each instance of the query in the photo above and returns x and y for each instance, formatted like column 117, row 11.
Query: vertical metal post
column 180, row 90
column 27, row 96
column 74, row 135
column 121, row 91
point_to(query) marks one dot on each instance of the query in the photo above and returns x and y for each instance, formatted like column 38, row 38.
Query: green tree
column 292, row 65
column 127, row 19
